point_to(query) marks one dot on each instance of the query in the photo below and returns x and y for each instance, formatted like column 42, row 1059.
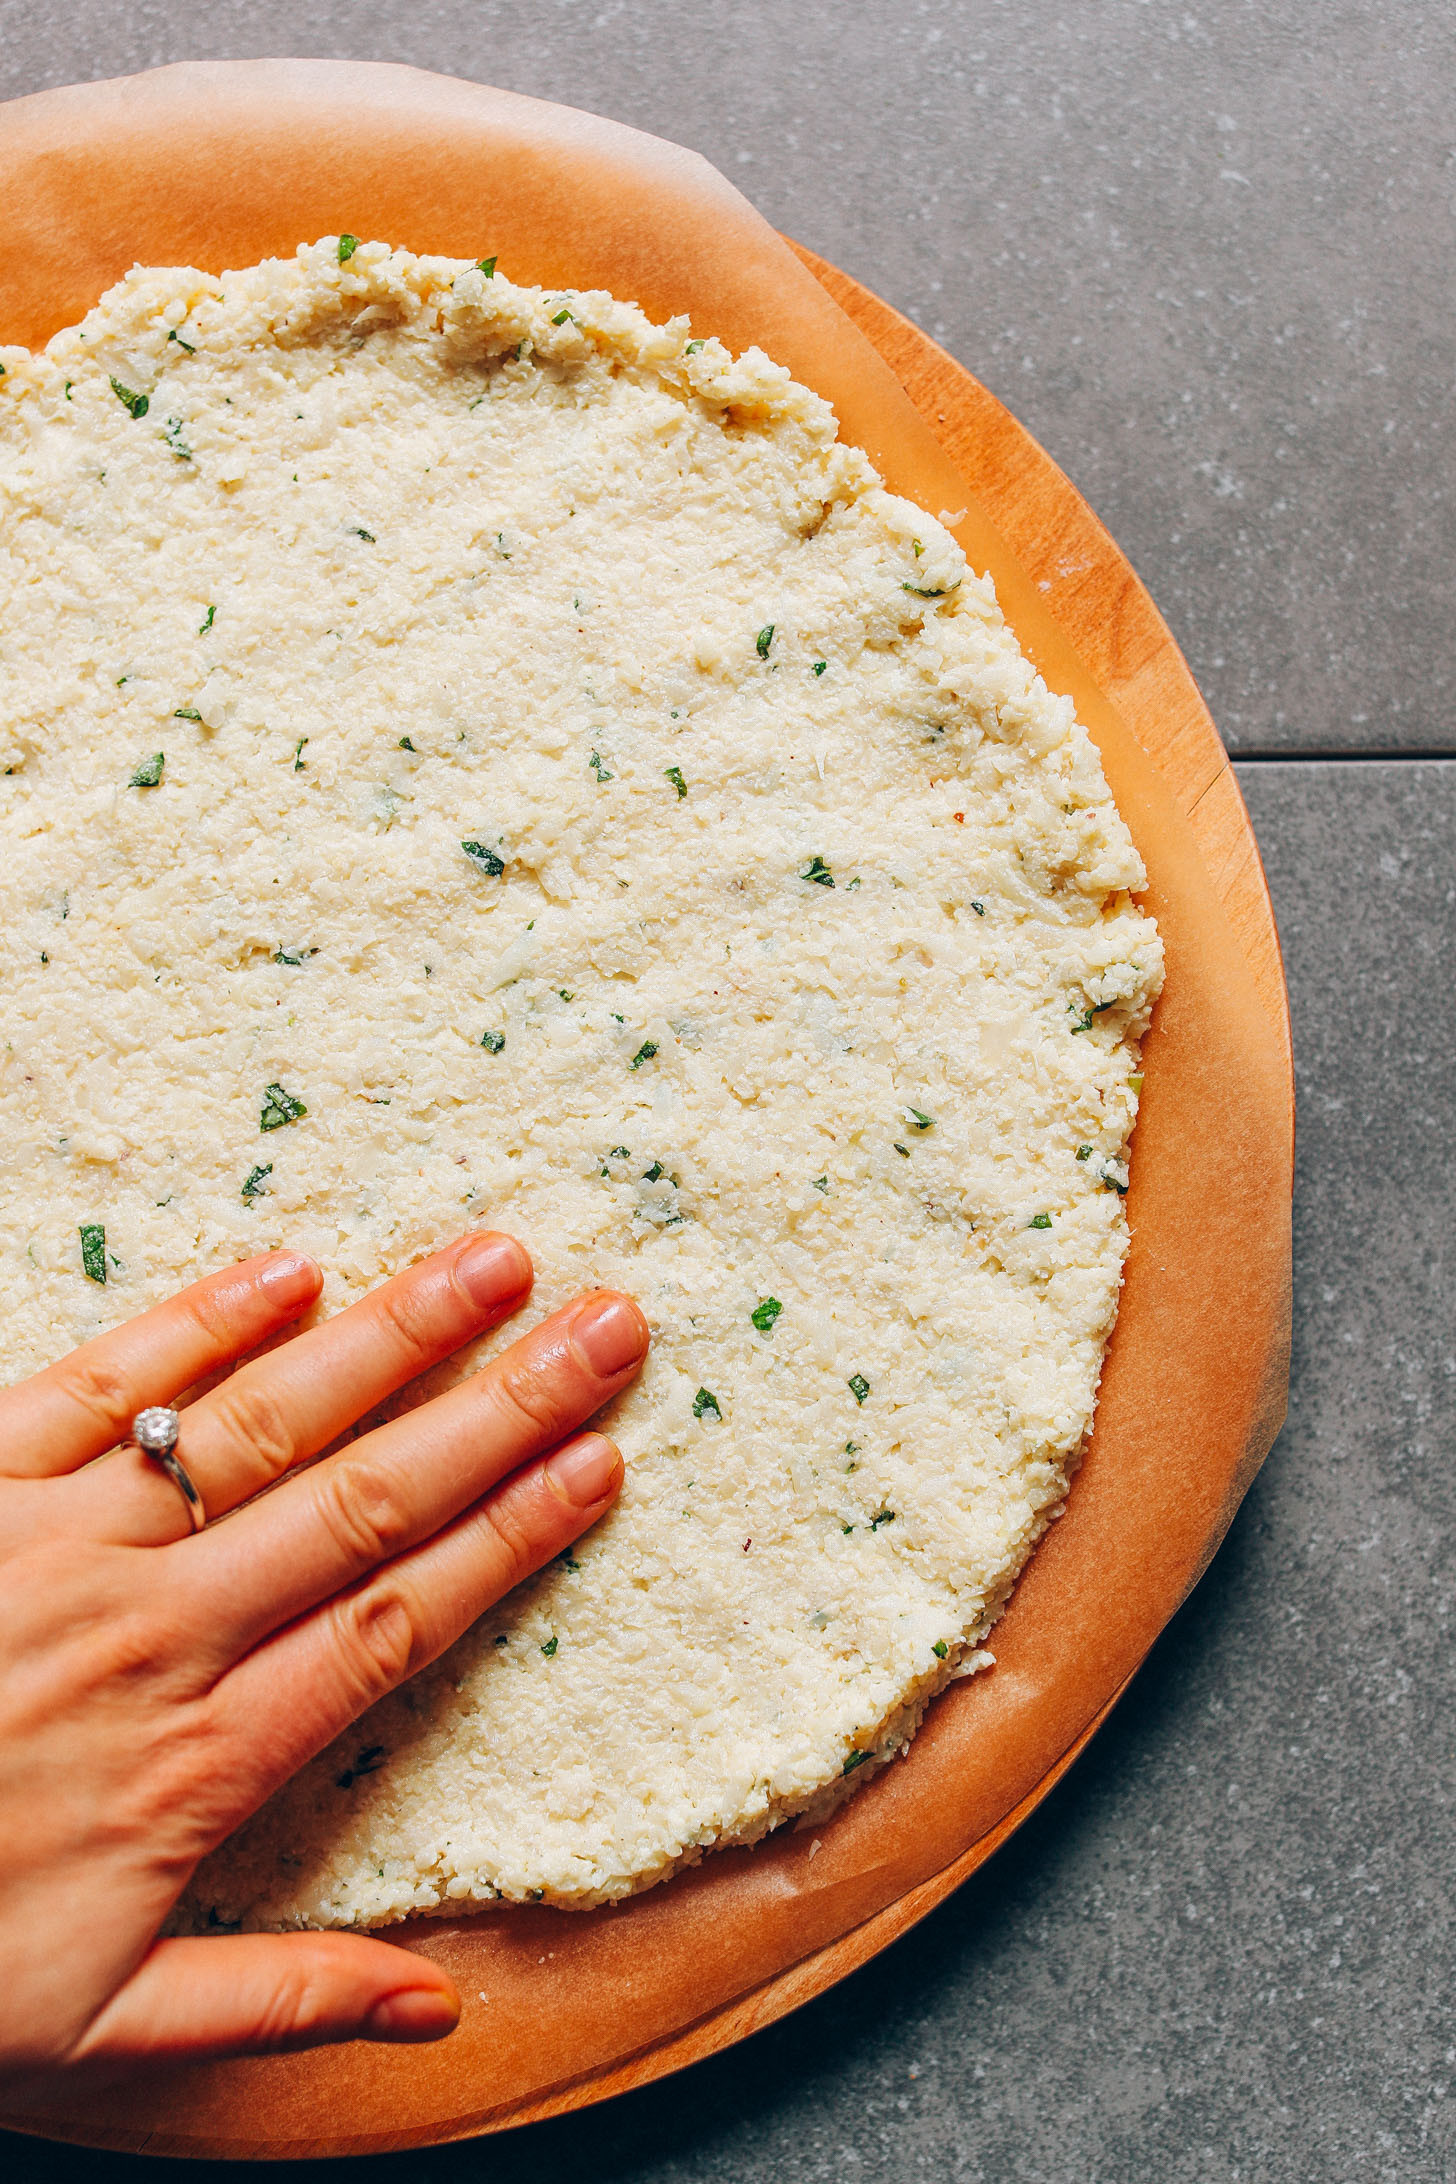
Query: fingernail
column 585, row 1472
column 290, row 1278
column 609, row 1334
column 416, row 2013
column 491, row 1269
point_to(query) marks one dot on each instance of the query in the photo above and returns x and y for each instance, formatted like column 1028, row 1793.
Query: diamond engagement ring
column 155, row 1432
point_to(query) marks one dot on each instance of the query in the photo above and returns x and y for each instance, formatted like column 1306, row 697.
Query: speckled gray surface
column 1208, row 253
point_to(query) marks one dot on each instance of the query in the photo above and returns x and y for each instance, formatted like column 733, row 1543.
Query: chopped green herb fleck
column 902, row 1148
column 187, row 345
column 186, row 712
column 561, row 317
column 705, row 1401
column 404, row 744
column 916, row 548
column 569, row 1561
column 138, row 404
column 855, row 1759
column 357, row 530
column 207, row 621
column 692, row 348
column 293, row 958
column 764, row 639
column 549, row 1649
column 348, row 244
column 1085, row 1021
column 819, row 666
column 253, row 1185
column 1040, row 1220
column 279, row 1107
column 644, row 1053
column 674, row 775
column 486, row 858
column 565, row 996
column 1110, row 1182
column 979, row 908
column 619, row 1152
column 846, row 1529
column 1084, row 1152
column 885, row 1516
column 172, row 434
column 149, row 772
column 820, row 1183
column 502, row 1639
column 652, row 1174
column 819, row 872
column 601, row 771
column 858, row 1386
column 940, row 1649
column 370, row 1760
column 928, row 591
column 921, row 1121
column 486, row 266
column 93, row 1251
column 1135, row 1082
column 765, row 1313
column 494, row 1042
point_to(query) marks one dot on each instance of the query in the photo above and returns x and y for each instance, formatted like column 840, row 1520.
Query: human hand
column 157, row 1685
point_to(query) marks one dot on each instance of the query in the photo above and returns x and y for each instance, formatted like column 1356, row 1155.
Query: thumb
column 263, row 1994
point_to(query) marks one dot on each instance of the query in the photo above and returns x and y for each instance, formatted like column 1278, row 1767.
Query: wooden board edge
column 1136, row 661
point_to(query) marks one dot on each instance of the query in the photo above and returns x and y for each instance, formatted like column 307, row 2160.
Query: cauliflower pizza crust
column 473, row 756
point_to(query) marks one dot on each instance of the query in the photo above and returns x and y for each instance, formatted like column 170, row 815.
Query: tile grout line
column 1340, row 758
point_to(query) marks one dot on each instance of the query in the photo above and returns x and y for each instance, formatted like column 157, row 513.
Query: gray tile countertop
column 1207, row 252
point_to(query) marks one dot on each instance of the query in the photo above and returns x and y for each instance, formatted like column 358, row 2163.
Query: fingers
column 84, row 1404
column 286, row 1406
column 264, row 1994
column 312, row 1679
column 380, row 1497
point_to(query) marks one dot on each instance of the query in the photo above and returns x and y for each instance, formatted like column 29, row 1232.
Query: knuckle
column 103, row 1392
column 213, row 1310
column 381, row 1633
column 536, row 1391
column 361, row 1507
column 511, row 1536
column 411, row 1315
column 246, row 1414
column 297, row 2009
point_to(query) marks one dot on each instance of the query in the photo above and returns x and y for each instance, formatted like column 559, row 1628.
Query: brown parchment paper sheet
column 219, row 164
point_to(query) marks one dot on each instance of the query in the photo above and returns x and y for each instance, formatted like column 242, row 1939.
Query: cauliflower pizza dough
column 473, row 756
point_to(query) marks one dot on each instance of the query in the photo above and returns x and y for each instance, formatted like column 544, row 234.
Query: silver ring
column 155, row 1433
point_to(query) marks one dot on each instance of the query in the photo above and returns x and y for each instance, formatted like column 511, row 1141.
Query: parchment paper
column 219, row 164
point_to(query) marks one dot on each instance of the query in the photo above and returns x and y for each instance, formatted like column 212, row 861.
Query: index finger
column 84, row 1404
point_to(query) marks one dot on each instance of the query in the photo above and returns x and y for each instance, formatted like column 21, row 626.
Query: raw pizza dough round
column 475, row 756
